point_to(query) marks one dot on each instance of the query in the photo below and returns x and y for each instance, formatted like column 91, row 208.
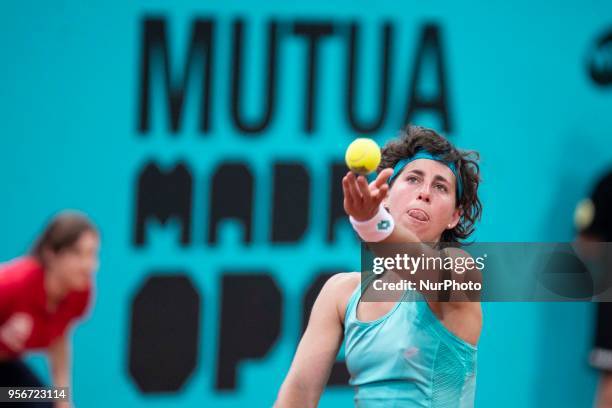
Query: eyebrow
column 436, row 177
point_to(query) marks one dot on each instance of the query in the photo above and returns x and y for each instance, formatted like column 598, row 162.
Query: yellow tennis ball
column 362, row 156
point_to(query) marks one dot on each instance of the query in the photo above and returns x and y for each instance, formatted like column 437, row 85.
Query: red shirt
column 22, row 291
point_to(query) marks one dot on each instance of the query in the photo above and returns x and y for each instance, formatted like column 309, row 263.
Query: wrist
column 375, row 229
column 366, row 217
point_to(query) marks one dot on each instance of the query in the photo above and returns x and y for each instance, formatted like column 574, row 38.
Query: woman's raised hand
column 361, row 200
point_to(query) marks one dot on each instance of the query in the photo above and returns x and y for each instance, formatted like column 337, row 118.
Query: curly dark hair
column 414, row 138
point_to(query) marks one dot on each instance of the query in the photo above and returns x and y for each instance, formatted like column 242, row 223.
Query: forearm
column 403, row 242
column 307, row 376
column 294, row 393
column 402, row 235
column 61, row 377
column 60, row 362
column 418, row 262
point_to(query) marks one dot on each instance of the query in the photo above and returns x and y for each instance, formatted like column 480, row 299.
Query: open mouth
column 418, row 215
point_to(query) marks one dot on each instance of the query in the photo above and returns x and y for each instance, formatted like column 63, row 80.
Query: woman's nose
column 424, row 194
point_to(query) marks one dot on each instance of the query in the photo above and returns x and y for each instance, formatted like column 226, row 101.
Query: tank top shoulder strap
column 408, row 297
column 355, row 297
column 350, row 305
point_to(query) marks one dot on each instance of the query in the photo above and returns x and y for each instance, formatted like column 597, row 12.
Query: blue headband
column 422, row 154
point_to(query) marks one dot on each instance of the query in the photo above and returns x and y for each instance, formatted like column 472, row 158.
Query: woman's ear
column 455, row 218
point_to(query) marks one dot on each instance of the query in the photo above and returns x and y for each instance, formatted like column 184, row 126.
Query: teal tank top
column 407, row 358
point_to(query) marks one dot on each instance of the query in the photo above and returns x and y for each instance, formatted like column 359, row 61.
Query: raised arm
column 318, row 348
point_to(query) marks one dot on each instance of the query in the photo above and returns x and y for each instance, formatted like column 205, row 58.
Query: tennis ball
column 362, row 156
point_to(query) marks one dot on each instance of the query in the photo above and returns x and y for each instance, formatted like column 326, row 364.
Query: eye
column 441, row 187
column 411, row 179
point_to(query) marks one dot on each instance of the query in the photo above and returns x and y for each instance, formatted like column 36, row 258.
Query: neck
column 54, row 289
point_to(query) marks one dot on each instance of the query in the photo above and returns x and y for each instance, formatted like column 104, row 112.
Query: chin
column 81, row 285
column 418, row 228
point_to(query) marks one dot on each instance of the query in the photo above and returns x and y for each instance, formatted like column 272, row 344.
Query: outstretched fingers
column 353, row 189
column 381, row 193
column 348, row 198
column 361, row 199
column 352, row 197
column 379, row 187
column 364, row 189
column 383, row 177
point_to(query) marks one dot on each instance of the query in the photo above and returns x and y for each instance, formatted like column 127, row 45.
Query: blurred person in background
column 42, row 294
column 593, row 220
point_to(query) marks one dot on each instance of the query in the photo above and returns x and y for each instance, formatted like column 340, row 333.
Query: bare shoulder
column 338, row 289
column 344, row 279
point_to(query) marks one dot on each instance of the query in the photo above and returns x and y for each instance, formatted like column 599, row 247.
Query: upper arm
column 318, row 347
